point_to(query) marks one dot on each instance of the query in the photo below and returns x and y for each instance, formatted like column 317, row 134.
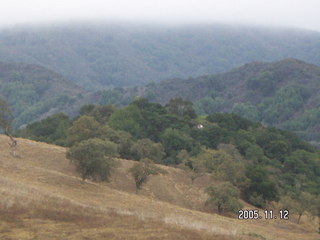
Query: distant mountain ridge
column 97, row 56
column 287, row 71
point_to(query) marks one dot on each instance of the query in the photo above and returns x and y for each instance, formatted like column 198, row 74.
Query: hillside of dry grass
column 42, row 197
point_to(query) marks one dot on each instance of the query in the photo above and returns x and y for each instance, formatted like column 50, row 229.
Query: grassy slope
column 43, row 198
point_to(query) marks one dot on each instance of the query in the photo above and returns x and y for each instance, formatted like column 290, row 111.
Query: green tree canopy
column 224, row 196
column 122, row 138
column 230, row 121
column 192, row 165
column 127, row 119
column 53, row 129
column 145, row 148
column 84, row 128
column 181, row 107
column 94, row 158
column 100, row 113
column 174, row 140
column 260, row 190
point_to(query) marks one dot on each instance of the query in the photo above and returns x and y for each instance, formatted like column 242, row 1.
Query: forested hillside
column 34, row 92
column 111, row 55
column 264, row 164
column 284, row 94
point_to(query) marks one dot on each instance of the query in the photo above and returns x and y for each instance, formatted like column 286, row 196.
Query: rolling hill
column 284, row 94
column 100, row 55
column 34, row 92
column 43, row 198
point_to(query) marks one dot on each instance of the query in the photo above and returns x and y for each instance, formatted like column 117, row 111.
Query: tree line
column 255, row 163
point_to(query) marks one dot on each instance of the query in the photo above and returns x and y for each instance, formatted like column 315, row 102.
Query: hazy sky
column 296, row 13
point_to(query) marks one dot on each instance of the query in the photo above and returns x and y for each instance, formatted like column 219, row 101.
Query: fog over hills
column 100, row 55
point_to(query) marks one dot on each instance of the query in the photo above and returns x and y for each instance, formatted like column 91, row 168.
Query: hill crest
column 34, row 92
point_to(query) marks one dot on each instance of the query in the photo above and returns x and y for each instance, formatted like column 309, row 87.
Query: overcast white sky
column 296, row 13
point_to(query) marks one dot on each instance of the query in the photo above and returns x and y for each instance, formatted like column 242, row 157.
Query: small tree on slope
column 94, row 158
column 142, row 170
column 6, row 119
column 224, row 196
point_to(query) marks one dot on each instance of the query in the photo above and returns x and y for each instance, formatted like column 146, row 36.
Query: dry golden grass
column 42, row 197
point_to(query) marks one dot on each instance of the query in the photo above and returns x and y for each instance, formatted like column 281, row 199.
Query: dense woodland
column 33, row 91
column 282, row 94
column 262, row 164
